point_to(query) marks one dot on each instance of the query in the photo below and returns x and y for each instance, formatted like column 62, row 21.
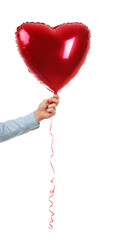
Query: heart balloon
column 53, row 54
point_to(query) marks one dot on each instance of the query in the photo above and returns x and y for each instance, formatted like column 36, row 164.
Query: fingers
column 53, row 105
column 54, row 100
column 56, row 96
column 52, row 111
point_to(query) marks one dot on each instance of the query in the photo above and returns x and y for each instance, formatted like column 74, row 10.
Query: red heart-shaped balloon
column 53, row 54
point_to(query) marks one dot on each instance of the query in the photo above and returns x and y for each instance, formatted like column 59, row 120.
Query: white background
column 82, row 130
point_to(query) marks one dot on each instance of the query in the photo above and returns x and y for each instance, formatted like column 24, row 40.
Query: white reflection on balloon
column 68, row 47
column 24, row 37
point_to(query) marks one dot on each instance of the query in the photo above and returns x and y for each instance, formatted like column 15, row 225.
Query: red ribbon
column 52, row 180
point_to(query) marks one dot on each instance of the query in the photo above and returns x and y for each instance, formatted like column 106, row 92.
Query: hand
column 45, row 108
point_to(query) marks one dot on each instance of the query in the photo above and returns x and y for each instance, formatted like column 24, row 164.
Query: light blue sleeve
column 19, row 126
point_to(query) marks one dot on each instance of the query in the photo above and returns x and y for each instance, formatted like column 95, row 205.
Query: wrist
column 37, row 116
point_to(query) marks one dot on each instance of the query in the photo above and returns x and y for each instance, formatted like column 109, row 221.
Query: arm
column 19, row 126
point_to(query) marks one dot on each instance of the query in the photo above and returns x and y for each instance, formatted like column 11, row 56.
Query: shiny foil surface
column 53, row 54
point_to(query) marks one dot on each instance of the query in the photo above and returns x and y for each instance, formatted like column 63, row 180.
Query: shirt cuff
column 31, row 121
